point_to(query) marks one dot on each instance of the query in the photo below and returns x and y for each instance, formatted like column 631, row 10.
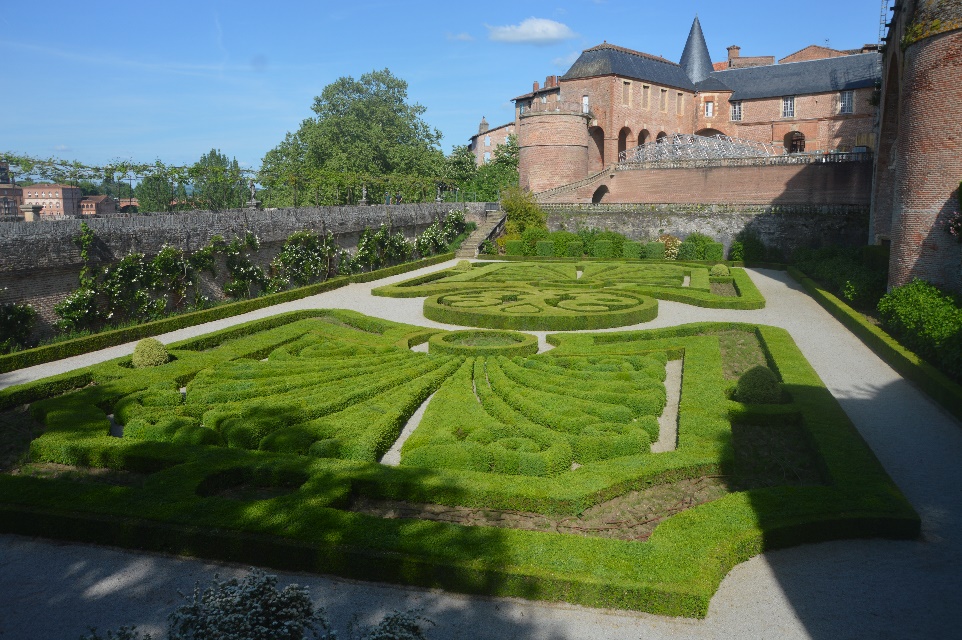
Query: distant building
column 127, row 205
column 11, row 196
column 97, row 205
column 57, row 200
column 487, row 140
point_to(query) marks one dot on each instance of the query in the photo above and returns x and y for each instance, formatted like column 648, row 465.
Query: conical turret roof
column 695, row 59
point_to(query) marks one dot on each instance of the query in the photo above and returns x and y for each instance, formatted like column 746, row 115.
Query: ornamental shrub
column 671, row 244
column 514, row 248
column 603, row 249
column 488, row 248
column 844, row 272
column 253, row 608
column 16, row 324
column 752, row 247
column 617, row 242
column 715, row 251
column 633, row 250
column 544, row 248
column 927, row 321
column 758, row 385
column 150, row 352
column 561, row 240
column 720, row 270
column 694, row 247
column 736, row 252
column 655, row 251
column 575, row 249
column 522, row 211
column 531, row 237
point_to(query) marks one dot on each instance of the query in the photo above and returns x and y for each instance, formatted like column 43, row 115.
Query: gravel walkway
column 851, row 589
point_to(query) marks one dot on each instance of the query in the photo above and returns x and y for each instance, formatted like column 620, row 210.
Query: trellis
column 685, row 146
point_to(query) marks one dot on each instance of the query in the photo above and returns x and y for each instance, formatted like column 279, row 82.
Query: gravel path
column 851, row 589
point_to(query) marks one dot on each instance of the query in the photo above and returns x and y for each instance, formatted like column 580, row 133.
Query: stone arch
column 709, row 132
column 661, row 136
column 599, row 194
column 596, row 149
column 644, row 136
column 623, row 137
column 795, row 142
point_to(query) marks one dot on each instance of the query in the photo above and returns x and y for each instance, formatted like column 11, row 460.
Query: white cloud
column 532, row 31
column 459, row 37
column 566, row 61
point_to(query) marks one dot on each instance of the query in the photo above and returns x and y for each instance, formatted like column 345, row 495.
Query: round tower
column 553, row 148
column 919, row 160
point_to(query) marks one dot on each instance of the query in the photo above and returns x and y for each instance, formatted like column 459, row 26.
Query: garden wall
column 785, row 228
column 40, row 262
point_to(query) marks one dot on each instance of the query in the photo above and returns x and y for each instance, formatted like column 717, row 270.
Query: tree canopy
column 362, row 128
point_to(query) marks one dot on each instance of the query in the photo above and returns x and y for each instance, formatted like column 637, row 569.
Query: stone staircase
column 469, row 248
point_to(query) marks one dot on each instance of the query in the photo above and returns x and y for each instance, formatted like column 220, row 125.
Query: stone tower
column 553, row 147
column 919, row 159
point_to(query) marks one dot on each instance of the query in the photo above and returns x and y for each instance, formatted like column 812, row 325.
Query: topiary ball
column 463, row 265
column 720, row 270
column 150, row 352
column 758, row 385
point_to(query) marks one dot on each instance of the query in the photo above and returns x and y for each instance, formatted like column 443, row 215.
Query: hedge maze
column 564, row 296
column 257, row 443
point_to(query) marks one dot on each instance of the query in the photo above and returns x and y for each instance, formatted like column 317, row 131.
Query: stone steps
column 469, row 248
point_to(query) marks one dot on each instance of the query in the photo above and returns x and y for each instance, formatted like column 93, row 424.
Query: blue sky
column 100, row 80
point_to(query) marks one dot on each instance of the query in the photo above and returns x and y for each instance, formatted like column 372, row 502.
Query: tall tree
column 363, row 127
column 502, row 172
column 155, row 193
column 218, row 182
column 460, row 166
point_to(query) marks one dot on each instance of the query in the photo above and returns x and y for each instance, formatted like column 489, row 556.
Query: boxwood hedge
column 254, row 442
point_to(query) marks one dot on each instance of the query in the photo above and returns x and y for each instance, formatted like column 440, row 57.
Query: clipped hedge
column 454, row 343
column 86, row 344
column 909, row 365
column 633, row 250
column 655, row 251
column 521, row 422
column 575, row 249
column 545, row 248
column 603, row 249
column 514, row 248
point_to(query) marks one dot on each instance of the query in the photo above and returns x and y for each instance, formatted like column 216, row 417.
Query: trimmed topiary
column 150, row 352
column 758, row 385
column 514, row 248
column 720, row 270
column 575, row 249
column 633, row 250
column 544, row 248
column 603, row 249
column 715, row 251
column 654, row 251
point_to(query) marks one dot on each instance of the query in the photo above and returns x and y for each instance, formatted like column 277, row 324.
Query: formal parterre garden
column 529, row 473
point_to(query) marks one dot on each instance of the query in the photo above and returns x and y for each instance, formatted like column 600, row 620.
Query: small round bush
column 463, row 265
column 150, row 352
column 720, row 270
column 758, row 385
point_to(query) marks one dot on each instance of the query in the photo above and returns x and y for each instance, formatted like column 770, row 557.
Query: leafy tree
column 155, row 193
column 90, row 188
column 218, row 182
column 460, row 167
column 522, row 210
column 502, row 172
column 363, row 129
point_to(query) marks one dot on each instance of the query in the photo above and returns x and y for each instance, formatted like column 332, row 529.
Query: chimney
column 483, row 127
column 551, row 82
column 733, row 52
column 535, row 86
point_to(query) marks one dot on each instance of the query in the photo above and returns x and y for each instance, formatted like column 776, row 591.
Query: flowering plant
column 954, row 225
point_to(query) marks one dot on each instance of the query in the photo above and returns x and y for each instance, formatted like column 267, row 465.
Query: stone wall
column 40, row 261
column 783, row 228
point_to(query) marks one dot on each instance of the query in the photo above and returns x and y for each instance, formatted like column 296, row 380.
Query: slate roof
column 607, row 59
column 695, row 59
column 797, row 78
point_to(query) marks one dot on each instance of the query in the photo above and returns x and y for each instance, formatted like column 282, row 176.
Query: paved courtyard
column 850, row 589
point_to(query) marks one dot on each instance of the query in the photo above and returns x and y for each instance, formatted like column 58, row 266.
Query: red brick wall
column 928, row 165
column 815, row 184
column 554, row 150
column 495, row 137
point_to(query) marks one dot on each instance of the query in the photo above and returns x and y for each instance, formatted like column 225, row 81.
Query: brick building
column 58, row 200
column 97, row 205
column 487, row 140
column 613, row 99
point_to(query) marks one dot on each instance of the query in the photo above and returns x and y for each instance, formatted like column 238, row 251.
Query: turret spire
column 695, row 60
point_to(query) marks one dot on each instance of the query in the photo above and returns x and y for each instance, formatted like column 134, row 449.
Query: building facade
column 97, row 205
column 488, row 139
column 613, row 99
column 11, row 196
column 57, row 200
